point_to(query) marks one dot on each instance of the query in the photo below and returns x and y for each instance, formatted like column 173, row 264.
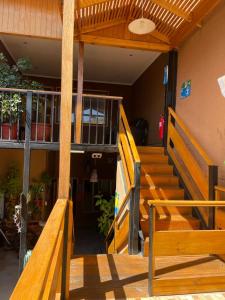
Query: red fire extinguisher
column 161, row 126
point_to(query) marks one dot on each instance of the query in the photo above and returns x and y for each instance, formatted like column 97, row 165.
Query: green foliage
column 12, row 182
column 37, row 188
column 11, row 187
column 11, row 106
column 11, row 77
column 106, row 208
column 37, row 193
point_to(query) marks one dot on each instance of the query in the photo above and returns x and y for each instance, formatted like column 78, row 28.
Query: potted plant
column 12, row 190
column 41, row 127
column 106, row 208
column 36, row 201
column 11, row 104
column 10, row 109
column 38, row 190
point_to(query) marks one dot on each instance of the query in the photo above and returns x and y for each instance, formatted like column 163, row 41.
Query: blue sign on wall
column 165, row 75
column 185, row 89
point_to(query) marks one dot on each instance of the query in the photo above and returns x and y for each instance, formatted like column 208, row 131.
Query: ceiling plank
column 86, row 3
column 115, row 42
column 104, row 25
column 77, row 30
column 173, row 9
column 203, row 10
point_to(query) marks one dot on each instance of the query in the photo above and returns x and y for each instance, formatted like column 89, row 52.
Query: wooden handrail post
column 80, row 80
column 26, row 181
column 66, row 98
column 67, row 248
column 151, row 264
column 213, row 181
column 134, row 212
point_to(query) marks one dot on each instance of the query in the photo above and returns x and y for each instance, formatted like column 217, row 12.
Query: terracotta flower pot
column 41, row 129
column 6, row 134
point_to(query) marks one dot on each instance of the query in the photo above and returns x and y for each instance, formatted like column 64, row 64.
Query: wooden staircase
column 159, row 183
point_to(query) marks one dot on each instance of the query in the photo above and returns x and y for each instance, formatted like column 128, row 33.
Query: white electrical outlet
column 221, row 82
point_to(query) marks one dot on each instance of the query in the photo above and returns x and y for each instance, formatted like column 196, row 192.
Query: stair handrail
column 133, row 146
column 46, row 274
column 186, row 203
column 184, row 160
column 191, row 138
column 131, row 167
column 219, row 192
column 178, row 241
column 123, row 205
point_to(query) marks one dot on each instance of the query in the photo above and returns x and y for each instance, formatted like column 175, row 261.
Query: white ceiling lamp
column 142, row 25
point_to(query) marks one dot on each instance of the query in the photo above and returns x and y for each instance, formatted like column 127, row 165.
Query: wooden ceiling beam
column 115, row 42
column 173, row 9
column 161, row 37
column 156, row 34
column 203, row 10
column 61, row 9
column 105, row 25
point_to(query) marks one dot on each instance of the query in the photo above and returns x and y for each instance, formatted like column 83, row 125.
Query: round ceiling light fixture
column 141, row 26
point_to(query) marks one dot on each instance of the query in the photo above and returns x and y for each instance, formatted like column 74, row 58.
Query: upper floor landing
column 34, row 117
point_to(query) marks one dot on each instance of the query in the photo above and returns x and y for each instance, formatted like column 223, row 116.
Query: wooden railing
column 40, row 111
column 182, row 242
column 198, row 183
column 46, row 274
column 130, row 204
column 220, row 192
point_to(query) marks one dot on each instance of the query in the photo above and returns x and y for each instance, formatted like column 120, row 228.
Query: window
column 94, row 112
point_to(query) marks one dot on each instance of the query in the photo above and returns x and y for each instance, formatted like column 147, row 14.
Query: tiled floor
column 8, row 272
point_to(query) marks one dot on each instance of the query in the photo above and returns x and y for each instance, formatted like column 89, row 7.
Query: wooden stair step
column 144, row 209
column 153, row 158
column 157, row 168
column 159, row 180
column 172, row 222
column 150, row 149
column 167, row 193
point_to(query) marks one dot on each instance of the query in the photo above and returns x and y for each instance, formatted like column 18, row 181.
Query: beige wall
column 10, row 156
column 149, row 97
column 202, row 60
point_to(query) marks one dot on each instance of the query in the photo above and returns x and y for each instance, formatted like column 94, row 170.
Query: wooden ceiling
column 106, row 21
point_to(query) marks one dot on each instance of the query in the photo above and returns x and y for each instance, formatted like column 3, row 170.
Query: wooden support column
column 80, row 80
column 171, row 88
column 26, row 181
column 66, row 98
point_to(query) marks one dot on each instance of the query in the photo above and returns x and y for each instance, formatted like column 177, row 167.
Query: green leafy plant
column 11, row 77
column 12, row 188
column 106, row 208
column 37, row 194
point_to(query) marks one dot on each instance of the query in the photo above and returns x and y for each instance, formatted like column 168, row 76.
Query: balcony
column 35, row 118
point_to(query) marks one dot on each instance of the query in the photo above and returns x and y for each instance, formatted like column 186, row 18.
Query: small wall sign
column 221, row 82
column 116, row 203
column 185, row 89
column 165, row 75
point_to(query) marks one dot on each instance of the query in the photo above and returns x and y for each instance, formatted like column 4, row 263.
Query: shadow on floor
column 89, row 241
column 103, row 281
